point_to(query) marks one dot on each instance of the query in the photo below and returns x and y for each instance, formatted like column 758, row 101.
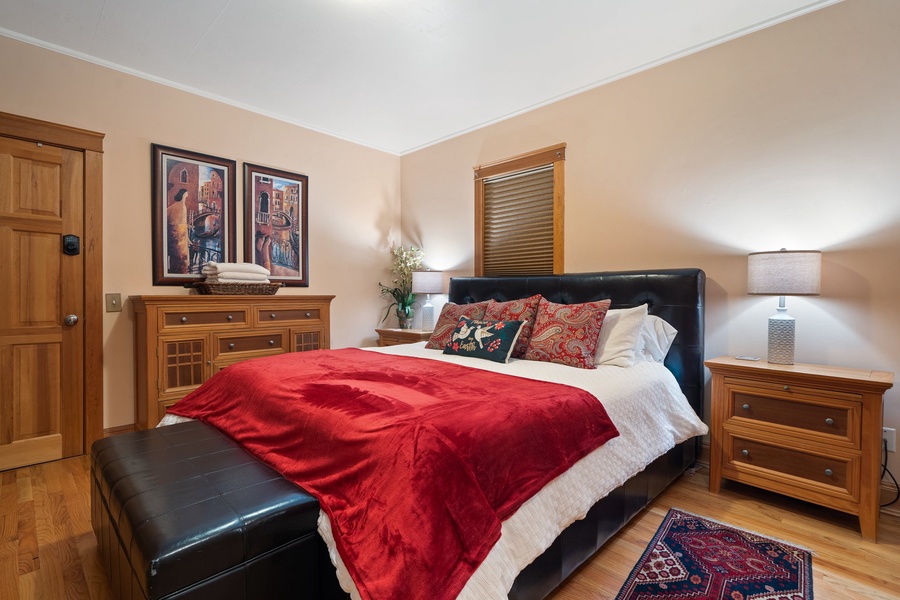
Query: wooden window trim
column 555, row 155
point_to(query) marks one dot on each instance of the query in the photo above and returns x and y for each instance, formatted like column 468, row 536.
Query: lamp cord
column 884, row 470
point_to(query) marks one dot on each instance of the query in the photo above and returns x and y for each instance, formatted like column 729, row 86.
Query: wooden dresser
column 808, row 431
column 181, row 341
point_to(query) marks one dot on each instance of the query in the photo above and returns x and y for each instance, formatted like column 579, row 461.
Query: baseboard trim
column 109, row 431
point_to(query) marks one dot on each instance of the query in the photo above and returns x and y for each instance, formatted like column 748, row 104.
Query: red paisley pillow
column 515, row 310
column 446, row 323
column 567, row 333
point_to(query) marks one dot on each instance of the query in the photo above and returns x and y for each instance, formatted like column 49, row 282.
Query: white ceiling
column 396, row 75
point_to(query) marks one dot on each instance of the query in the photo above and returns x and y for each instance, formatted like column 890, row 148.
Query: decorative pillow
column 567, row 333
column 655, row 339
column 446, row 323
column 619, row 336
column 515, row 310
column 493, row 340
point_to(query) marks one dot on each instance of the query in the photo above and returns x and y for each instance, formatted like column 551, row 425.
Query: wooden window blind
column 519, row 215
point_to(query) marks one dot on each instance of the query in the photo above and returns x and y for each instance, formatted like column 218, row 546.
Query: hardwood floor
column 48, row 551
column 844, row 566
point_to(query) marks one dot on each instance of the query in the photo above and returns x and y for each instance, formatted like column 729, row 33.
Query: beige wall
column 353, row 197
column 789, row 137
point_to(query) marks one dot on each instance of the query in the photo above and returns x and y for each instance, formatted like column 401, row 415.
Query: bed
column 553, row 532
column 676, row 295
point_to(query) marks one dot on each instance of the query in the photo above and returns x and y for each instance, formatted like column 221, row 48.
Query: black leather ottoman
column 183, row 512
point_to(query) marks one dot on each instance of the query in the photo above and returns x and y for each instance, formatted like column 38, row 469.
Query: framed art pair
column 194, row 202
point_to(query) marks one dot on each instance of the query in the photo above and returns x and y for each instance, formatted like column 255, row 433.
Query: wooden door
column 41, row 357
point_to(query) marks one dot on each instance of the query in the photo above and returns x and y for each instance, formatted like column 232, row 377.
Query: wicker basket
column 236, row 289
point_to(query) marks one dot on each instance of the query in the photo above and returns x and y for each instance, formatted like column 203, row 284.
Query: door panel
column 41, row 358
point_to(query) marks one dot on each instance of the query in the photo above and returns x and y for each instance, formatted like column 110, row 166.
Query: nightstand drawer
column 821, row 415
column 776, row 461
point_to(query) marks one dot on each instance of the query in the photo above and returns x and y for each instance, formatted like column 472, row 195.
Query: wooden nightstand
column 392, row 337
column 808, row 431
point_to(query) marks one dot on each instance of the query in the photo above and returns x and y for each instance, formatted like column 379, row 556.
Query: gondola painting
column 275, row 227
column 193, row 214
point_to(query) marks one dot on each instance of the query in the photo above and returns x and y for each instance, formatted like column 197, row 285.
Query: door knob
column 71, row 320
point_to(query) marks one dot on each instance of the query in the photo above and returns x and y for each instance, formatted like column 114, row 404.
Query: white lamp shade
column 427, row 282
column 784, row 273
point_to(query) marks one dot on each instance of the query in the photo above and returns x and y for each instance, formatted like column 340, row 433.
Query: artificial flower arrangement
column 405, row 261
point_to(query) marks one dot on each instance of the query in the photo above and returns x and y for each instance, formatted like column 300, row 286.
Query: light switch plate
column 113, row 302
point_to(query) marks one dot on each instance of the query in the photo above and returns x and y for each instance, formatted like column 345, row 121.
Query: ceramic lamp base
column 781, row 339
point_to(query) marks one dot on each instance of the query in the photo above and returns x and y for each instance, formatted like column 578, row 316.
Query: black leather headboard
column 676, row 295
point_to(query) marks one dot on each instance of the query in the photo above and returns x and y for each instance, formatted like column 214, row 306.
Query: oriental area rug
column 693, row 558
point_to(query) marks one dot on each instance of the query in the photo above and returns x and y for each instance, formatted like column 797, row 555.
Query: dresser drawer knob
column 787, row 388
column 271, row 342
column 231, row 346
column 308, row 315
column 745, row 452
column 184, row 319
column 272, row 316
column 230, row 318
column 209, row 362
column 829, row 421
column 746, row 407
column 828, row 472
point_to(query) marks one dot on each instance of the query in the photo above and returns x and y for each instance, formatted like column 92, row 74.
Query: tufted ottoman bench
column 182, row 512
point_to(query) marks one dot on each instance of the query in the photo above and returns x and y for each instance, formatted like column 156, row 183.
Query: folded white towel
column 218, row 268
column 237, row 278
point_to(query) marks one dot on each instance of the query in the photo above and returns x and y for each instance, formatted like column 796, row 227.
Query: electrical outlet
column 889, row 435
column 113, row 302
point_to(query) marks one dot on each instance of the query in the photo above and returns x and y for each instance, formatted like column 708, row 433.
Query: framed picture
column 193, row 214
column 275, row 227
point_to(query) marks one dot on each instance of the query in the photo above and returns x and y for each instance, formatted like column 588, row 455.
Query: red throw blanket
column 416, row 462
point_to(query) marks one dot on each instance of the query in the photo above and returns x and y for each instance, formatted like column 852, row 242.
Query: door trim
column 91, row 143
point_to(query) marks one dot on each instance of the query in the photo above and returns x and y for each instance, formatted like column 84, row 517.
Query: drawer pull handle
column 829, row 421
column 745, row 452
column 231, row 346
column 271, row 342
column 272, row 316
column 308, row 315
column 787, row 388
column 209, row 362
column 828, row 472
column 746, row 407
column 184, row 319
column 230, row 318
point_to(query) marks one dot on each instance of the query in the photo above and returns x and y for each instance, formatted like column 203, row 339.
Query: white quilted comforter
column 647, row 407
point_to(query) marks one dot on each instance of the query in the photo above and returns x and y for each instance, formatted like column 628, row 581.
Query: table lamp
column 783, row 273
column 427, row 282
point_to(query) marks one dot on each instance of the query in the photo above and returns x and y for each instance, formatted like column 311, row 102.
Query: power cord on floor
column 884, row 470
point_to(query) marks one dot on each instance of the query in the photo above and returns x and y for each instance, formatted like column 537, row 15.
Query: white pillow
column 619, row 336
column 655, row 339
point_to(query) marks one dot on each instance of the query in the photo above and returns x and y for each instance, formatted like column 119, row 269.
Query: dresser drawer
column 792, row 466
column 178, row 318
column 267, row 316
column 272, row 342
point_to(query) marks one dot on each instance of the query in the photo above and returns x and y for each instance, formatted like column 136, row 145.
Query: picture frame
column 193, row 202
column 276, row 223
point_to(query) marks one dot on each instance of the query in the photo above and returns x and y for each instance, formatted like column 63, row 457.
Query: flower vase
column 406, row 321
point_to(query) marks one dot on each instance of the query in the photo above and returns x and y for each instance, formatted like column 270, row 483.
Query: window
column 519, row 214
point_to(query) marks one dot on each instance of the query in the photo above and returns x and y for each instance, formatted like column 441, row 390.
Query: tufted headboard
column 676, row 295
